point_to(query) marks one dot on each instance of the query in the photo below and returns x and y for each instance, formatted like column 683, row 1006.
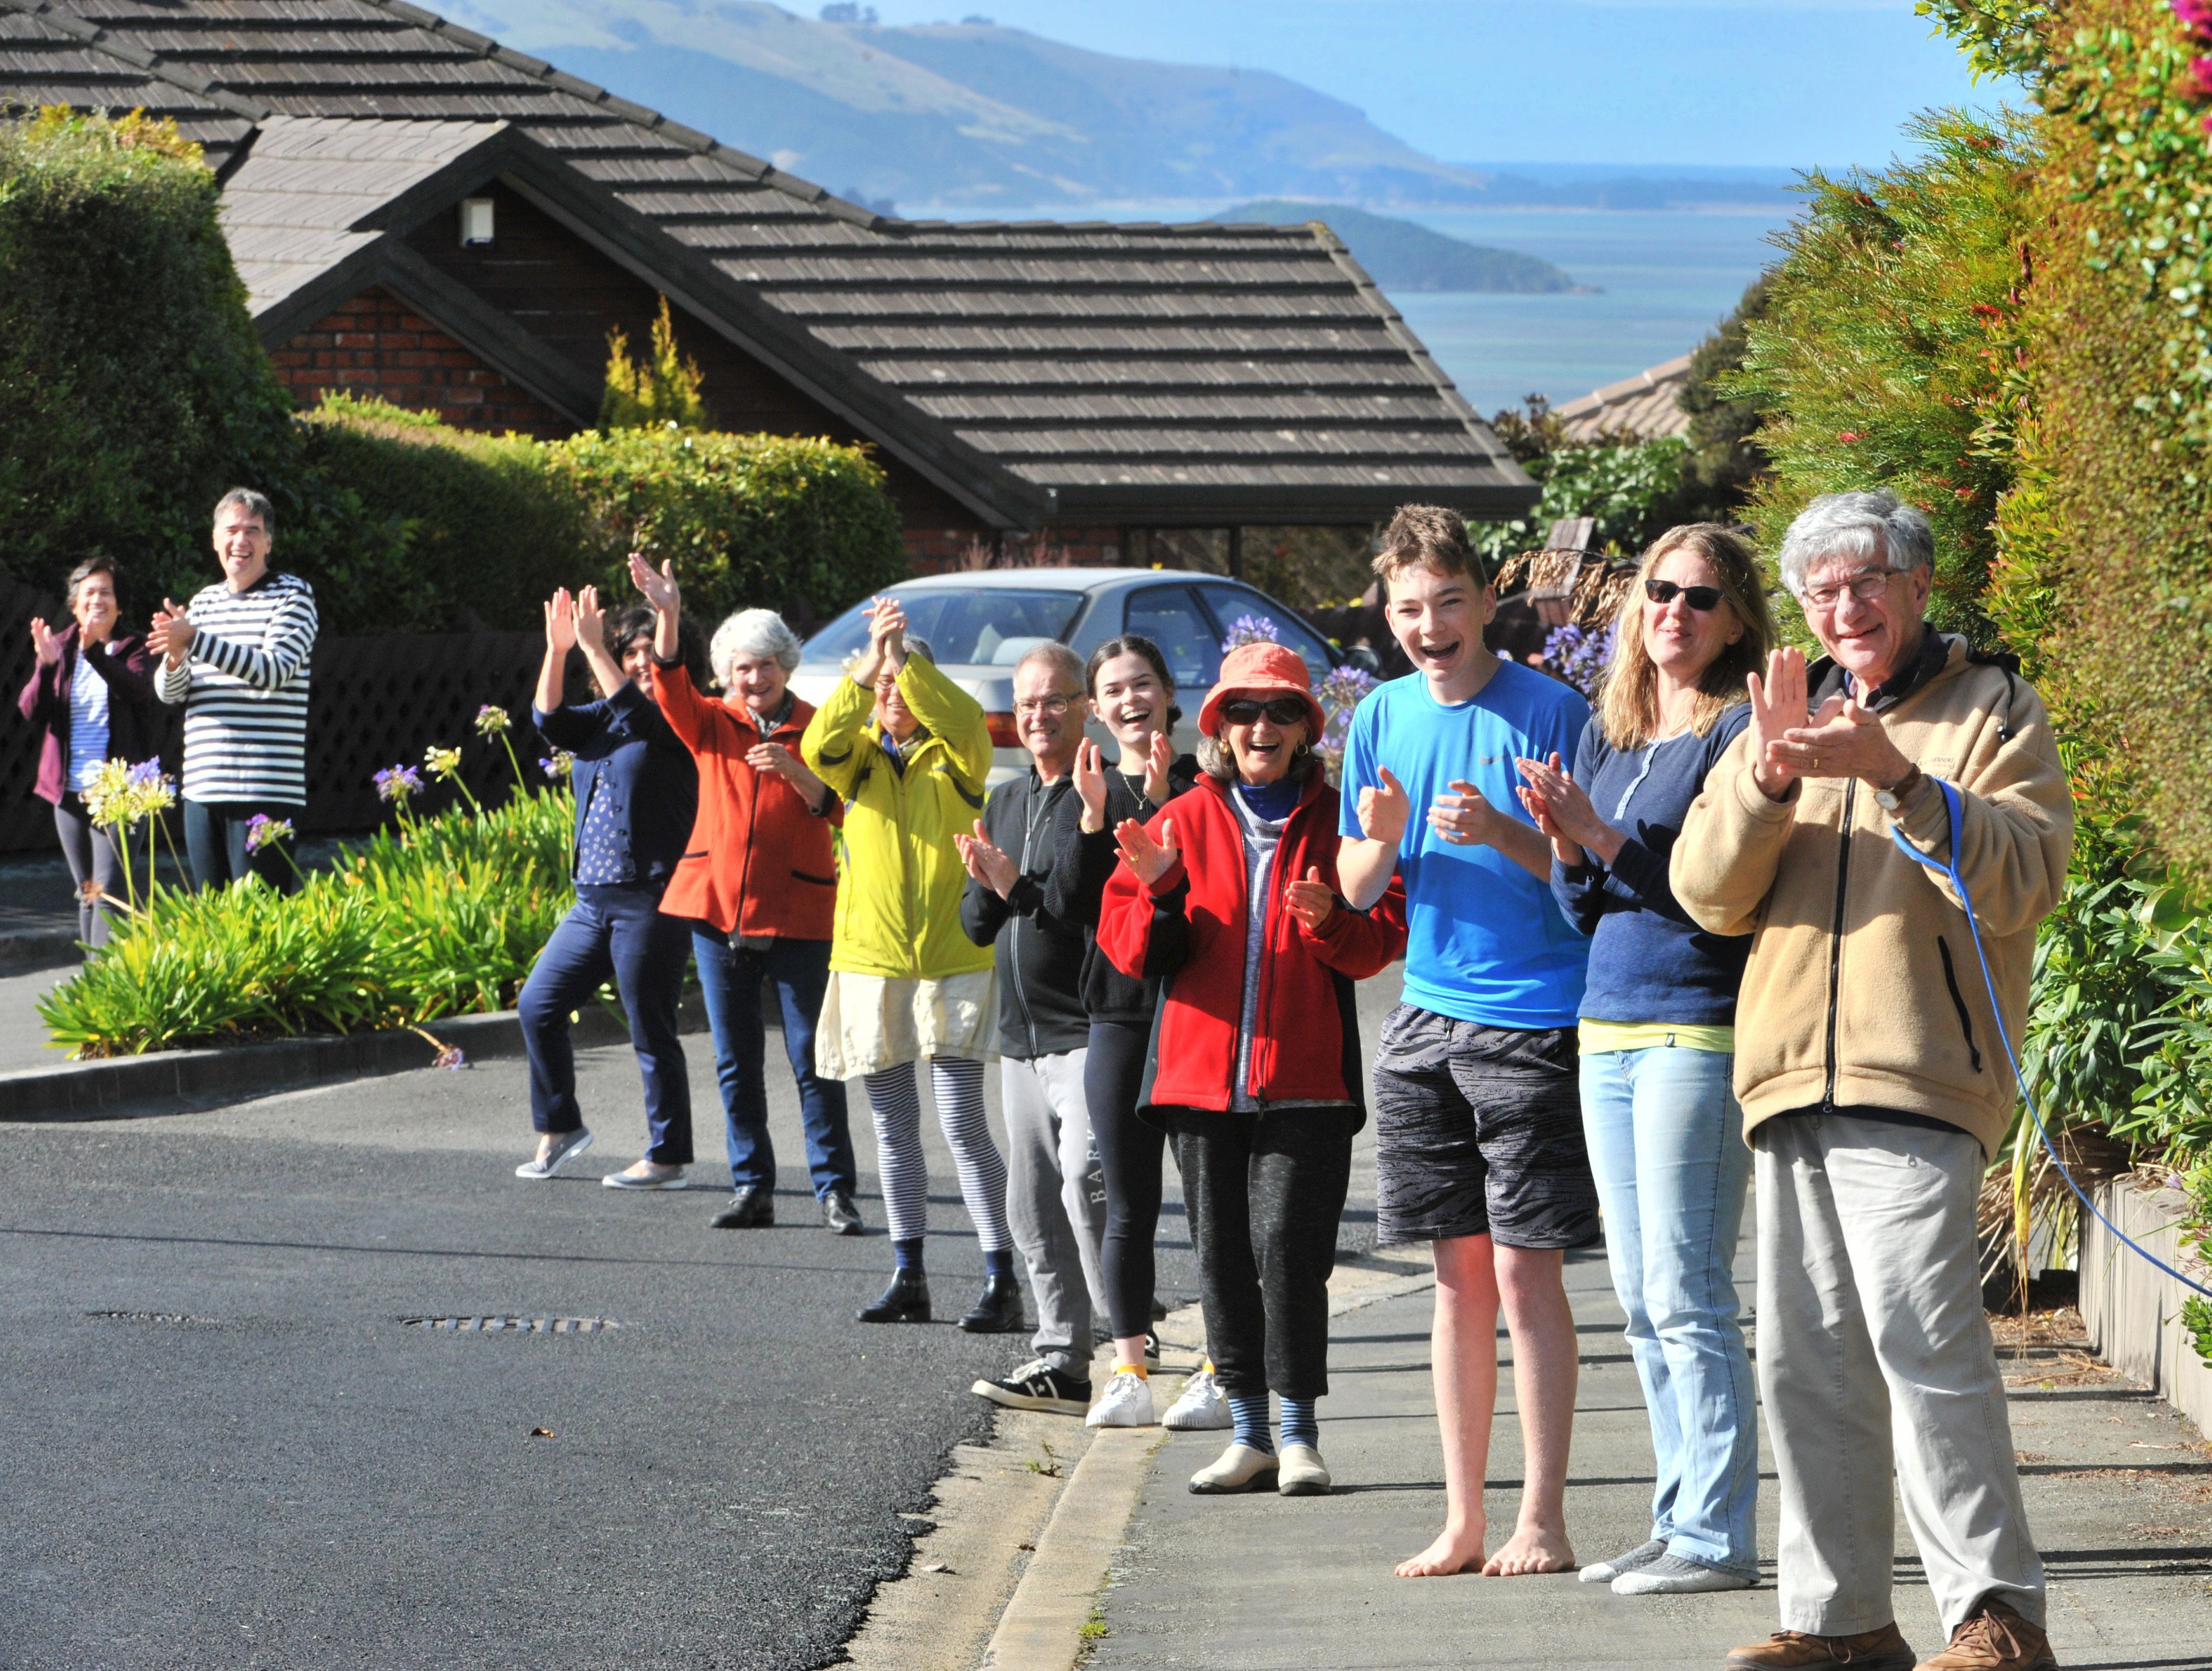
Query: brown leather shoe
column 1885, row 1650
column 1994, row 1639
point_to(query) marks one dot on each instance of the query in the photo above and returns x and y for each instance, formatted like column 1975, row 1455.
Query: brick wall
column 376, row 344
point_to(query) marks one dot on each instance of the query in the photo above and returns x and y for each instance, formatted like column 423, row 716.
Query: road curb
column 24, row 950
column 171, row 1080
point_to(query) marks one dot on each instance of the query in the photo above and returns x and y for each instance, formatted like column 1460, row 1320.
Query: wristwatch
column 1890, row 799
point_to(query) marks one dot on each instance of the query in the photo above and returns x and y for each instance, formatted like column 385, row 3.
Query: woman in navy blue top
column 637, row 791
column 1658, row 1041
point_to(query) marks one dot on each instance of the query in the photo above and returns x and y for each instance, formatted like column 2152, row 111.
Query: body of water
column 1664, row 277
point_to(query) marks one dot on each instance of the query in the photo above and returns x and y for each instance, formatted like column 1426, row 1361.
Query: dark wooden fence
column 377, row 701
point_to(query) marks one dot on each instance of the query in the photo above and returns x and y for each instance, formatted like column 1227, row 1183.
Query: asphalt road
column 223, row 1447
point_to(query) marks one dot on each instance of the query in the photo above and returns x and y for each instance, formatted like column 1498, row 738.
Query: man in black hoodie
column 1056, row 1197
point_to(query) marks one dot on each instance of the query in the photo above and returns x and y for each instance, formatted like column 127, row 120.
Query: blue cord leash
column 1974, row 927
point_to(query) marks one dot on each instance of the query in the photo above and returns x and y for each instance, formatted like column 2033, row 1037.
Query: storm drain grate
column 513, row 1324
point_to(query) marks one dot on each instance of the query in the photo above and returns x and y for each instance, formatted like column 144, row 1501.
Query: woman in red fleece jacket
column 1229, row 896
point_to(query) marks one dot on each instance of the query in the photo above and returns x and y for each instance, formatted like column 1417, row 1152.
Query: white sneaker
column 1239, row 1469
column 1302, row 1473
column 1127, row 1402
column 564, row 1149
column 1202, row 1405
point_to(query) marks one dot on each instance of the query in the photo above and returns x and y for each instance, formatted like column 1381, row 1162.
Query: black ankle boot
column 906, row 1300
column 997, row 1310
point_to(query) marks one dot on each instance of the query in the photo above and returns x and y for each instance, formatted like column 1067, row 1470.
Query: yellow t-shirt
column 1656, row 1035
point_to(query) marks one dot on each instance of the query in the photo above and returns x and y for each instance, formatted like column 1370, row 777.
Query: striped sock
column 1250, row 1416
column 1301, row 1424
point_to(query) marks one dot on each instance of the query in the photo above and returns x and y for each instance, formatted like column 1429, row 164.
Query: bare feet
column 1530, row 1550
column 1457, row 1549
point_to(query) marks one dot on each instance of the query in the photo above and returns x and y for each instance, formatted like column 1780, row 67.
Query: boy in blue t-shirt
column 1478, row 1119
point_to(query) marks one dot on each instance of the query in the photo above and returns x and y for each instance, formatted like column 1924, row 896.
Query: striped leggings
column 957, row 1082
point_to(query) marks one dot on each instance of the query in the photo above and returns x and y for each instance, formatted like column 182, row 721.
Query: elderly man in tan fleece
column 1874, row 1089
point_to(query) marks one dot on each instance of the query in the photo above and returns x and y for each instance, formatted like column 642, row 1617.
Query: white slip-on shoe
column 645, row 1175
column 1604, row 1572
column 1127, row 1402
column 1239, row 1469
column 1676, row 1575
column 1202, row 1406
column 566, row 1146
column 1302, row 1473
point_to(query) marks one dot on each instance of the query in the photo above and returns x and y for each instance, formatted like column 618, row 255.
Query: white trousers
column 1874, row 1356
column 1055, row 1202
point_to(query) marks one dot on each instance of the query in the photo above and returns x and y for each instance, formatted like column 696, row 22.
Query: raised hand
column 987, row 862
column 1385, row 810
column 45, row 642
column 1312, row 901
column 658, row 586
column 1465, row 817
column 1090, row 786
column 1777, row 706
column 1844, row 741
column 590, row 624
column 1158, row 757
column 560, row 622
column 1150, row 860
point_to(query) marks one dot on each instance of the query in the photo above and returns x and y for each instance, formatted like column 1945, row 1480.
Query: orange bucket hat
column 1262, row 670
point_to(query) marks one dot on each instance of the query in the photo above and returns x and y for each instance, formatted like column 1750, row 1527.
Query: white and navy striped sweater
column 244, row 687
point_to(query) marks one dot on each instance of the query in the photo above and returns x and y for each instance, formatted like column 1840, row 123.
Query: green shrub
column 781, row 521
column 664, row 390
column 1635, row 492
column 1888, row 339
column 133, row 390
column 1725, row 457
column 442, row 917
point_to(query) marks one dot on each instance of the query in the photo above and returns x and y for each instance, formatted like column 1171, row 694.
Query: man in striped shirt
column 238, row 658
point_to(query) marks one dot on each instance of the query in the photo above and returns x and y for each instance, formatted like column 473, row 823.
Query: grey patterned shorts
column 1479, row 1131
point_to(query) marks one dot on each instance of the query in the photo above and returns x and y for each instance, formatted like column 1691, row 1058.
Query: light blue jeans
column 1666, row 1142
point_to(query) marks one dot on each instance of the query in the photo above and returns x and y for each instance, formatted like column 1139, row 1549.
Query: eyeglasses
column 1865, row 587
column 1051, row 706
column 1699, row 598
column 1283, row 710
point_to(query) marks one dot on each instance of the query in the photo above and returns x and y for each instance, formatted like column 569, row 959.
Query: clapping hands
column 1312, row 901
column 1148, row 859
column 987, row 862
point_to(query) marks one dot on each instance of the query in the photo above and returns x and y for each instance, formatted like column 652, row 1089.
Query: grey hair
column 753, row 632
column 920, row 647
column 254, row 504
column 1857, row 527
column 1062, row 660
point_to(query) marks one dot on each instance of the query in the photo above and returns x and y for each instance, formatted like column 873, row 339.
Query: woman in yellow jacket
column 908, row 752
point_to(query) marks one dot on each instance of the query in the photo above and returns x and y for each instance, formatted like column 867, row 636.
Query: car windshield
column 992, row 627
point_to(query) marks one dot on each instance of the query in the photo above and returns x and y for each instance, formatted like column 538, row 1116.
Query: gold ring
column 1816, row 765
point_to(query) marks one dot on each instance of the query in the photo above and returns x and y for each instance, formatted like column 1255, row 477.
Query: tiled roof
column 1643, row 405
column 1142, row 372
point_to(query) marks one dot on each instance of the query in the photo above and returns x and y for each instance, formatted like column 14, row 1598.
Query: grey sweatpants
column 1055, row 1202
column 1874, row 1355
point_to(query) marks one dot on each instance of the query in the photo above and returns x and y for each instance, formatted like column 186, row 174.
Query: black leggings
column 1131, row 1153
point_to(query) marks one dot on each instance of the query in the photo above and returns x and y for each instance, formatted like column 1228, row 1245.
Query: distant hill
column 1403, row 255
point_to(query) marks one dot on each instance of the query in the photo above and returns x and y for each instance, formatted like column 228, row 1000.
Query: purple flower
column 2195, row 14
column 146, row 772
column 261, row 830
column 1250, row 630
column 397, row 782
column 1577, row 656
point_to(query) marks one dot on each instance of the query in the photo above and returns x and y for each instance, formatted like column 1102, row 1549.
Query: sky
column 1768, row 83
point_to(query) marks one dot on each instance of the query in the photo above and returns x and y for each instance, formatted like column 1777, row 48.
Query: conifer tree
column 665, row 390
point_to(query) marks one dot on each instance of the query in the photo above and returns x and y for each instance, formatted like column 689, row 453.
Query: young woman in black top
column 1133, row 694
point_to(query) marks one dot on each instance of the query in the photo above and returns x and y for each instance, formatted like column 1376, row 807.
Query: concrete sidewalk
column 2119, row 1494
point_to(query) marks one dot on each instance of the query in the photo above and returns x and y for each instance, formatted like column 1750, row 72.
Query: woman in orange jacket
column 760, row 882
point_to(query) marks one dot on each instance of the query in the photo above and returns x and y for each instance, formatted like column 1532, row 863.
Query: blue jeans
column 730, row 981
column 215, row 844
column 1665, row 1143
column 615, row 929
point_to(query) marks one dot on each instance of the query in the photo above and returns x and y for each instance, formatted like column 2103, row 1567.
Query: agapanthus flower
column 122, row 795
column 491, row 721
column 560, row 764
column 261, row 830
column 2195, row 14
column 1250, row 630
column 443, row 762
column 1577, row 656
column 397, row 782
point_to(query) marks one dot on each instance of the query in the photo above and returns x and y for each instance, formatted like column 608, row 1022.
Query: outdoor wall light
column 476, row 219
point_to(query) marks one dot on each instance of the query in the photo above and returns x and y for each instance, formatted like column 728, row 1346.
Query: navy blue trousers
column 730, row 981
column 616, row 930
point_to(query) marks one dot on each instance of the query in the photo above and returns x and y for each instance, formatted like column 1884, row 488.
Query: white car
column 980, row 624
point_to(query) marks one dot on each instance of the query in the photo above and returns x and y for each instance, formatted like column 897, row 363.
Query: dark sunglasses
column 1244, row 711
column 1699, row 598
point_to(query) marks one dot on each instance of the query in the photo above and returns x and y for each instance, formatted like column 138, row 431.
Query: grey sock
column 1604, row 1572
column 1674, row 1574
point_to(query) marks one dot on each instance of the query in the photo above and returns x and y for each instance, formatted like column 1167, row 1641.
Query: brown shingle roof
column 1643, row 405
column 1141, row 372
